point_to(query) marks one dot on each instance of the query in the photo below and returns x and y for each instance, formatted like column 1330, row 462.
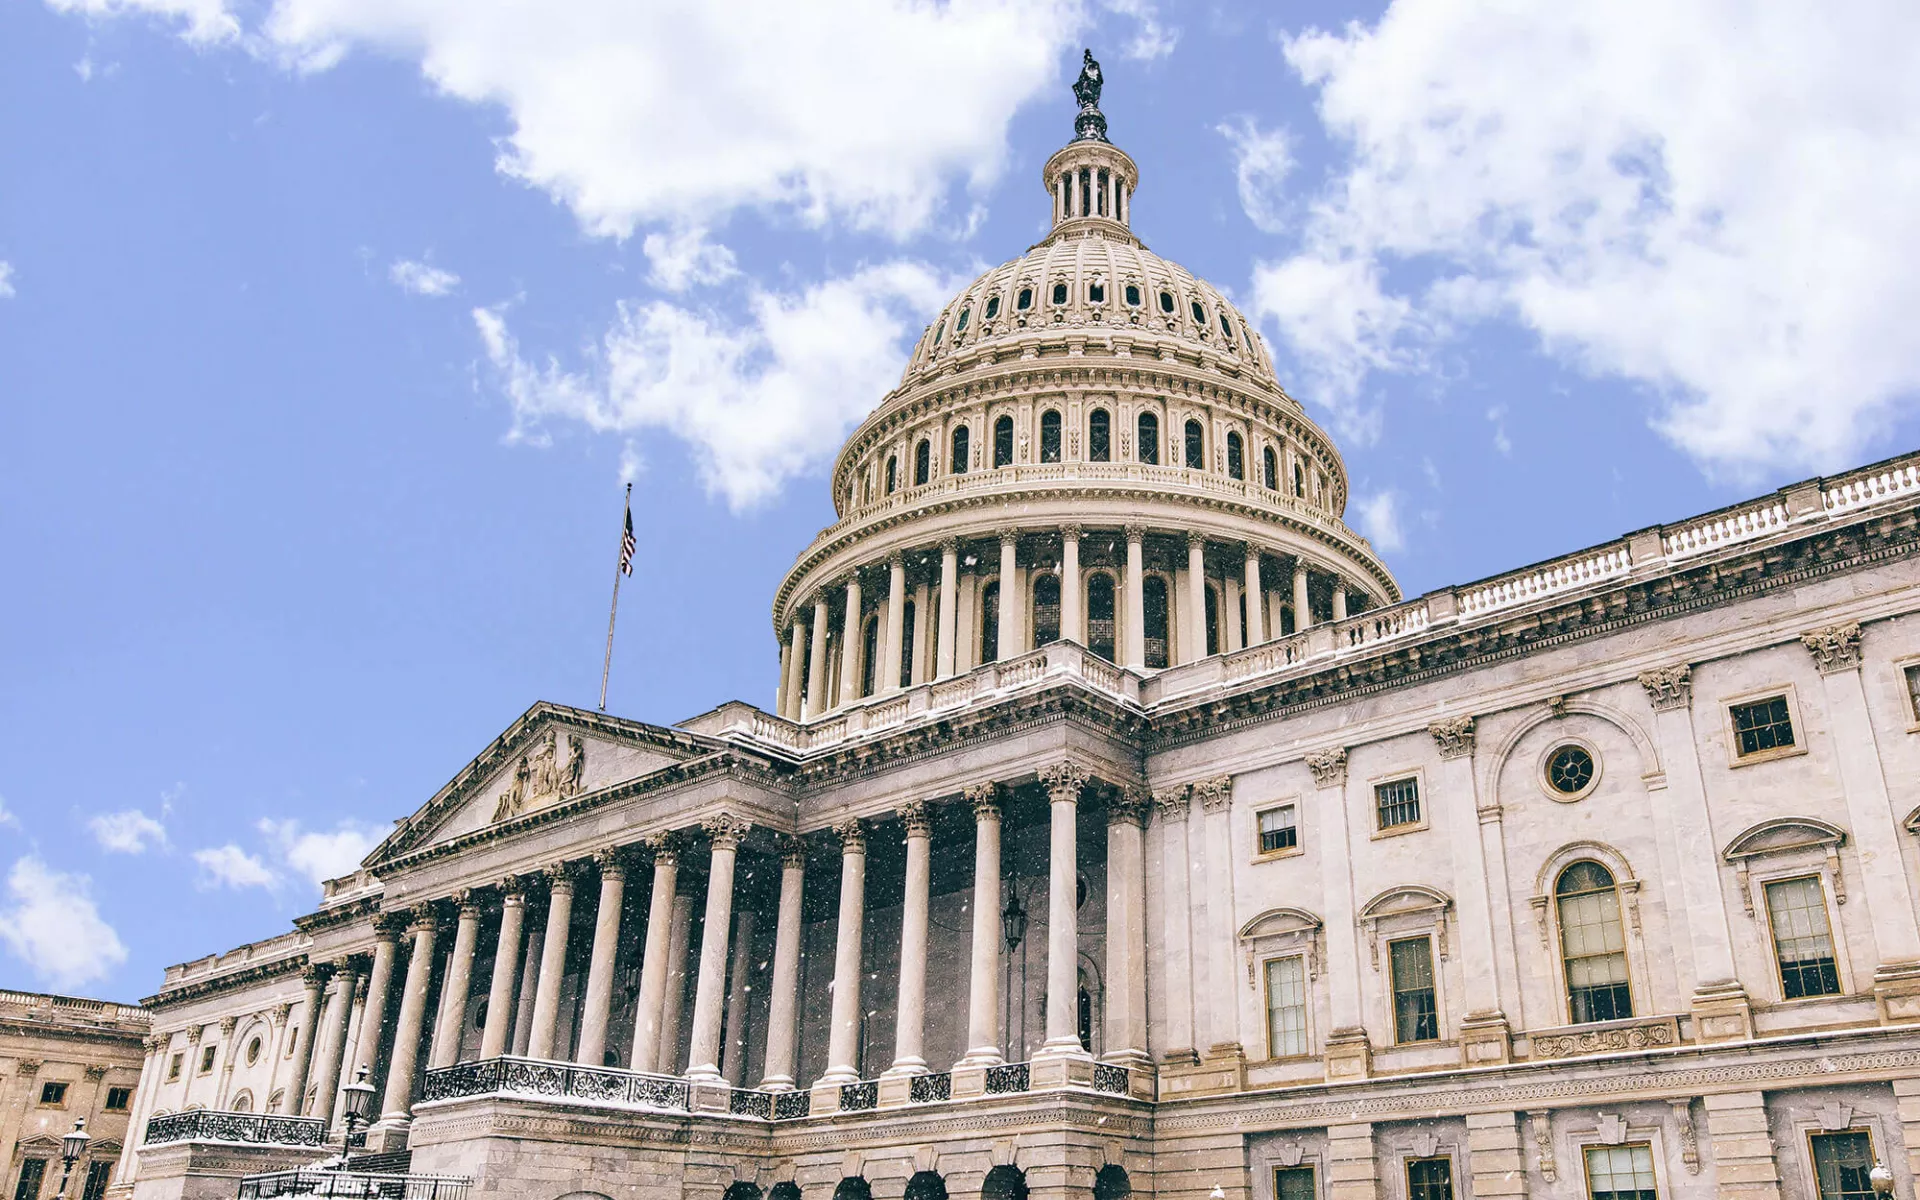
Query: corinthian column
column 1127, row 929
column 654, row 965
column 850, row 643
column 817, row 693
column 909, row 1033
column 1483, row 1031
column 1136, row 622
column 943, row 665
column 843, row 1041
column 606, row 946
column 314, row 980
column 1256, row 594
column 1063, row 784
column 783, row 1006
column 553, row 962
column 401, row 1069
column 387, row 929
column 1073, row 624
column 1302, row 606
column 1196, row 605
column 710, row 990
column 346, row 979
column 506, row 969
column 983, row 999
column 887, row 675
column 452, row 1021
column 792, row 698
column 1009, row 630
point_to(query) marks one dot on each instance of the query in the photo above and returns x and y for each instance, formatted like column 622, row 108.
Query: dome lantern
column 1090, row 179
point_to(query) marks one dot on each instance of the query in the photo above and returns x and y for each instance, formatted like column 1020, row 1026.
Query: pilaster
column 1744, row 1167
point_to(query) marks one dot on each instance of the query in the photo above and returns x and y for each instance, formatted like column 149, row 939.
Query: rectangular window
column 1842, row 1163
column 1762, row 726
column 1286, row 1007
column 99, row 1175
column 53, row 1093
column 173, row 1067
column 1430, row 1179
column 118, row 1099
column 1398, row 802
column 1620, row 1173
column 1278, row 830
column 1293, row 1183
column 206, row 1058
column 1415, row 1016
column 1913, row 691
column 32, row 1173
column 1802, row 939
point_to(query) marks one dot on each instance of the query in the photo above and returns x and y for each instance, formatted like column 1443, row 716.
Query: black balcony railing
column 1109, row 1078
column 925, row 1089
column 859, row 1097
column 354, row 1185
column 1008, row 1077
column 560, row 1081
column 266, row 1129
column 789, row 1106
column 747, row 1102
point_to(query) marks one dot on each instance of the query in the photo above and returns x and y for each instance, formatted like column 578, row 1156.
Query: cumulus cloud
column 229, row 866
column 199, row 21
column 6, row 280
column 7, row 819
column 422, row 279
column 51, row 923
column 1728, row 228
column 1262, row 160
column 1380, row 521
column 128, row 832
column 321, row 855
column 759, row 401
column 1151, row 39
column 685, row 257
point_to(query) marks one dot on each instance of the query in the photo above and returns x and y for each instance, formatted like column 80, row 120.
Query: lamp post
column 1881, row 1179
column 72, row 1146
column 358, row 1097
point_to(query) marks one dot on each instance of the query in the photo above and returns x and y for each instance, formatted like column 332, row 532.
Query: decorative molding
column 1668, row 687
column 1063, row 781
column 852, row 835
column 917, row 816
column 793, row 852
column 1453, row 736
column 1609, row 1129
column 1129, row 806
column 724, row 830
column 1329, row 767
column 1834, row 647
column 1577, row 1040
column 1787, row 835
column 1172, row 803
column 1542, row 1126
column 227, row 1024
column 984, row 800
column 1689, row 1139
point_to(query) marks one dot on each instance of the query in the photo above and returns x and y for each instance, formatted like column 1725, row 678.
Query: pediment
column 1782, row 836
column 552, row 755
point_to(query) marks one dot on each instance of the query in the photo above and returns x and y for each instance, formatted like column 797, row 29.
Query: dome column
column 850, row 643
column 1302, row 609
column 1072, row 617
column 1339, row 598
column 983, row 986
column 843, row 1037
column 1256, row 598
column 796, row 657
column 949, row 607
column 816, row 697
column 1196, row 598
column 1063, row 783
column 1136, row 630
column 1009, row 631
column 887, row 675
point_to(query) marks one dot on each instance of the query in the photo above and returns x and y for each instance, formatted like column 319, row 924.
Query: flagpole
column 606, row 668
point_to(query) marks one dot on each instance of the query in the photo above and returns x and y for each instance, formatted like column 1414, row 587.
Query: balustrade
column 354, row 1185
column 208, row 1125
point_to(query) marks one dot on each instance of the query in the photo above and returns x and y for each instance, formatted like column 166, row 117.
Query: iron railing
column 1008, row 1077
column 206, row 1125
column 925, row 1089
column 354, row 1185
column 748, row 1102
column 860, row 1097
column 788, row 1106
column 567, row 1081
column 1109, row 1078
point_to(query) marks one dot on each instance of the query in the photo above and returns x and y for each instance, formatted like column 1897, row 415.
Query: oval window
column 1133, row 295
column 1096, row 293
column 1166, row 302
column 1025, row 300
column 939, row 331
column 1226, row 327
column 253, row 1051
column 1059, row 293
column 960, row 326
column 1199, row 314
column 993, row 308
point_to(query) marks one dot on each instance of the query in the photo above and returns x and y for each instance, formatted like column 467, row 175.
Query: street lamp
column 359, row 1105
column 72, row 1146
column 1881, row 1178
column 1013, row 921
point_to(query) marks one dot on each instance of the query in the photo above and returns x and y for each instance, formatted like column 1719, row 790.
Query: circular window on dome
column 1059, row 293
column 993, row 308
column 1166, row 302
column 1570, row 771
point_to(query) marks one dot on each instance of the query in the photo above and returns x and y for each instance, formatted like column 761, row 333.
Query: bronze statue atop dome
column 1090, row 125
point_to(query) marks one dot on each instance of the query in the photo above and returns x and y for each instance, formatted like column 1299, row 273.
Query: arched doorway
column 853, row 1187
column 1004, row 1183
column 785, row 1191
column 926, row 1185
column 742, row 1190
column 1112, row 1183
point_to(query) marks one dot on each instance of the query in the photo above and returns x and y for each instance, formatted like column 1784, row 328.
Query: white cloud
column 230, row 866
column 685, row 257
column 1262, row 160
column 6, row 817
column 6, row 280
column 758, row 402
column 1497, row 416
column 1152, row 39
column 320, row 856
column 129, row 832
column 200, row 21
column 52, row 925
column 1711, row 200
column 422, row 279
column 1380, row 521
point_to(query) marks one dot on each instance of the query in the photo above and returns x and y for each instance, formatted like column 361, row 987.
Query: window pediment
column 1277, row 930
column 1407, row 908
column 1787, row 837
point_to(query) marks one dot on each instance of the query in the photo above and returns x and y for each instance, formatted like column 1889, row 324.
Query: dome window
column 1133, row 295
column 1096, row 293
column 1236, row 456
column 960, row 326
column 1149, row 439
column 1003, row 442
column 993, row 308
column 1299, row 482
column 957, row 460
column 893, row 474
column 1196, row 448
column 1025, row 300
column 939, row 331
column 1199, row 314
column 1270, row 468
column 1050, row 436
column 1226, row 326
column 1099, row 436
column 1059, row 293
column 1166, row 302
column 922, row 463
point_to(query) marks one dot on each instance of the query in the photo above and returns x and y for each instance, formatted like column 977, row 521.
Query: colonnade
column 1260, row 594
column 362, row 983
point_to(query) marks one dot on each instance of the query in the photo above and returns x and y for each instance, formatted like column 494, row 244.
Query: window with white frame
column 1279, row 829
column 1802, row 938
column 1593, row 945
column 1286, row 1007
column 1416, row 1010
column 1620, row 1173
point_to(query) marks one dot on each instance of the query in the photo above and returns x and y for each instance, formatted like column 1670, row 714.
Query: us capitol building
column 1118, row 827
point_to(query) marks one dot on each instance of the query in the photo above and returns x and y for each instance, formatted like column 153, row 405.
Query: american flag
column 627, row 545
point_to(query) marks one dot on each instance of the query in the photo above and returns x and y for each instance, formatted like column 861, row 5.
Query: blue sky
column 329, row 331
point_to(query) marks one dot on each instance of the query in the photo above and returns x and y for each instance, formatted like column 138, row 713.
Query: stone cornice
column 334, row 916
column 231, row 981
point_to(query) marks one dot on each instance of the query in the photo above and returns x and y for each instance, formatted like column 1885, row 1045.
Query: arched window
column 1213, row 621
column 1100, row 626
column 1046, row 609
column 957, row 460
column 990, row 622
column 1059, row 293
column 1236, row 456
column 993, row 308
column 1096, row 293
column 1299, row 481
column 1004, row 1183
column 1099, row 436
column 939, row 331
column 922, row 463
column 1133, row 295
column 1226, row 326
column 906, row 646
column 1593, row 946
column 926, row 1185
column 1196, row 450
column 1270, row 468
column 960, row 326
column 1166, row 302
column 1199, row 315
column 241, row 1103
column 1153, row 594
column 1003, row 441
column 869, row 653
column 1024, row 300
column 893, row 473
column 1050, row 436
column 1147, row 431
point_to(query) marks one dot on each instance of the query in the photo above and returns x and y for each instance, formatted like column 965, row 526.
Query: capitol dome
column 1089, row 444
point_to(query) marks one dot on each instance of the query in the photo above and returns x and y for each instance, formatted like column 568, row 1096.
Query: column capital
column 611, row 862
column 1834, row 647
column 1135, row 531
column 1172, row 803
column 664, row 846
column 917, row 815
column 853, row 836
column 984, row 799
column 1063, row 781
column 561, row 875
column 466, row 902
column 793, row 851
column 1669, row 687
column 725, row 830
column 1216, row 794
column 344, row 967
column 388, row 926
column 153, row 1042
column 227, row 1024
column 1329, row 767
column 281, row 1012
column 1009, row 537
column 1196, row 539
column 424, row 916
column 1072, row 531
column 315, row 975
column 896, row 561
column 1129, row 806
column 1252, row 549
column 1453, row 736
column 950, row 545
column 512, row 889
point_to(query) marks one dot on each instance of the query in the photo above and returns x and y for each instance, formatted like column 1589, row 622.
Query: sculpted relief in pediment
column 542, row 777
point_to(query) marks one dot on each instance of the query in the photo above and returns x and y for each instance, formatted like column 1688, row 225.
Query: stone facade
column 1204, row 864
column 62, row 1060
